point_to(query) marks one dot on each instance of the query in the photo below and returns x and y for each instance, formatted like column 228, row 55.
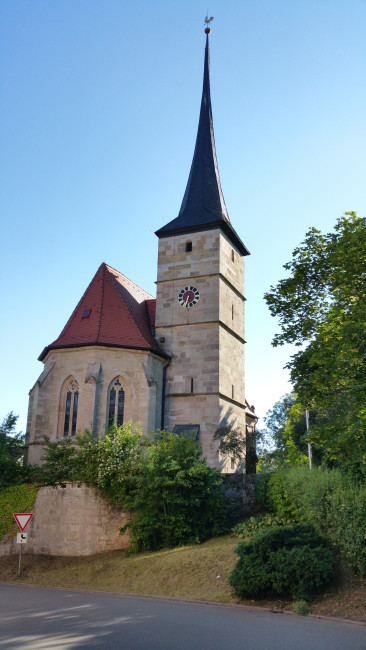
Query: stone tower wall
column 205, row 342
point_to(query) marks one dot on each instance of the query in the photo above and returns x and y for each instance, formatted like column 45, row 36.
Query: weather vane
column 207, row 22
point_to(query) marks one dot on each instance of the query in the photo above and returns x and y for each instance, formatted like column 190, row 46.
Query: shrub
column 114, row 463
column 289, row 561
column 254, row 525
column 178, row 500
column 328, row 499
column 59, row 462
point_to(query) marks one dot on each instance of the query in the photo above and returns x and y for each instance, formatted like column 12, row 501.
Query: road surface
column 34, row 617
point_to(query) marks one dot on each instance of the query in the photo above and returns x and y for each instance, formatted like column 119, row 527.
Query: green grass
column 187, row 572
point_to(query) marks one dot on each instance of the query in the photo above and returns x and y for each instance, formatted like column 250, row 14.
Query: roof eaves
column 47, row 349
column 225, row 226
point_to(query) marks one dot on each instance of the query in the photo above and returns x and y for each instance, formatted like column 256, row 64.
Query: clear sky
column 99, row 111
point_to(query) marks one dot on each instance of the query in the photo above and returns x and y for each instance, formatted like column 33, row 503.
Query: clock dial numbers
column 188, row 297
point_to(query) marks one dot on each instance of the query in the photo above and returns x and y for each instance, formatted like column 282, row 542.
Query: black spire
column 203, row 206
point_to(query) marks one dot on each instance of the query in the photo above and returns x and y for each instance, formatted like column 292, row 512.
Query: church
column 173, row 362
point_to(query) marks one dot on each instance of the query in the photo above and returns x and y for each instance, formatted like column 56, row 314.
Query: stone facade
column 141, row 375
column 178, row 365
column 71, row 520
column 205, row 380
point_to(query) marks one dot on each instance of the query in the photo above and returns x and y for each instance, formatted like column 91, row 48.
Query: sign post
column 22, row 519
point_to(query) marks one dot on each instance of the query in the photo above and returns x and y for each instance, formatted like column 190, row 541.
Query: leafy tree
column 178, row 500
column 321, row 307
column 59, row 460
column 12, row 451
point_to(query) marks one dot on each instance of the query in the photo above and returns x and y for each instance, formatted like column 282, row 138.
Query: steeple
column 203, row 206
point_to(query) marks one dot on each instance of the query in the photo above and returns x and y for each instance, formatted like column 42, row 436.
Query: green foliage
column 254, row 525
column 164, row 481
column 301, row 608
column 114, row 463
column 178, row 500
column 17, row 498
column 12, row 451
column 289, row 561
column 332, row 502
column 60, row 462
column 322, row 305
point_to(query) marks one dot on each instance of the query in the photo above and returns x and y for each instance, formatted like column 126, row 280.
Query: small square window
column 188, row 247
column 86, row 313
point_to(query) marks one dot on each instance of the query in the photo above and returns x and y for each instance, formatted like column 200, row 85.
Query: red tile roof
column 121, row 315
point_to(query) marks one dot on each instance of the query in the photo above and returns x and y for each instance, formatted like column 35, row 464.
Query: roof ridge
column 111, row 268
column 103, row 266
column 126, row 302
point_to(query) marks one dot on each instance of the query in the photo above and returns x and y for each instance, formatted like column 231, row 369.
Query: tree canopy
column 12, row 450
column 321, row 307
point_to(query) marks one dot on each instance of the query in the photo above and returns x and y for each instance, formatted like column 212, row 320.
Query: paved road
column 33, row 617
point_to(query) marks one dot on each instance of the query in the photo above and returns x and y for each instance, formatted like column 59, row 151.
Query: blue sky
column 99, row 112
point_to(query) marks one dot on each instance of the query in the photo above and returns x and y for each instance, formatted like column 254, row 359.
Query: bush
column 59, row 462
column 328, row 499
column 254, row 525
column 178, row 500
column 288, row 561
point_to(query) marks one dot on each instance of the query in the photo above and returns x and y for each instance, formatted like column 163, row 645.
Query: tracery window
column 71, row 408
column 116, row 402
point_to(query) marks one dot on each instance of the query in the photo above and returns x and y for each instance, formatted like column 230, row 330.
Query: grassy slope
column 188, row 572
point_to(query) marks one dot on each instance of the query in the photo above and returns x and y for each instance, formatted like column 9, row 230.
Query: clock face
column 188, row 297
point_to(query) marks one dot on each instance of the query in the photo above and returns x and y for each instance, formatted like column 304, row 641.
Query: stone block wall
column 71, row 520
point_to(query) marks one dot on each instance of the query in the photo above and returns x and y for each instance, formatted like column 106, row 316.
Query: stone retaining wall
column 71, row 520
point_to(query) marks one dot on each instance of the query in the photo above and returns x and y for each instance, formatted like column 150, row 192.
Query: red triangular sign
column 23, row 519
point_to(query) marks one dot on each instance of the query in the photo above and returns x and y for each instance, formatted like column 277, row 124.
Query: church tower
column 200, row 302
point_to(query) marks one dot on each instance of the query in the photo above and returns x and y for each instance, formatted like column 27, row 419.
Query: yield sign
column 23, row 519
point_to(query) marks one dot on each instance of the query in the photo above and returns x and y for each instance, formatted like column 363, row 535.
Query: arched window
column 116, row 402
column 71, row 407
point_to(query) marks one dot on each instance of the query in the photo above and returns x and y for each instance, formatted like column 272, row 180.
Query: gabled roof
column 113, row 311
column 203, row 206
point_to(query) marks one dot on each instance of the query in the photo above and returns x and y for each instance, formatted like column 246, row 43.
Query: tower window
column 191, row 384
column 71, row 408
column 116, row 403
column 232, row 312
column 232, row 255
column 232, row 391
column 188, row 247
